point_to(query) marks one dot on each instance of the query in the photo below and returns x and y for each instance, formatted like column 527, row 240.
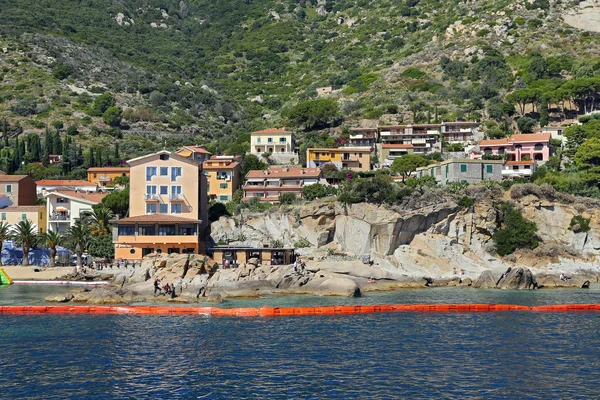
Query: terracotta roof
column 532, row 137
column 215, row 165
column 62, row 182
column 282, row 172
column 22, row 208
column 196, row 149
column 272, row 130
column 12, row 178
column 524, row 162
column 94, row 197
column 156, row 218
column 108, row 169
column 397, row 146
column 494, row 142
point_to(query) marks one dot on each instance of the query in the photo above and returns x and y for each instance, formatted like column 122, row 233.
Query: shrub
column 276, row 243
column 413, row 73
column 318, row 191
column 466, row 202
column 579, row 224
column 25, row 107
column 287, row 198
column 516, row 232
column 301, row 243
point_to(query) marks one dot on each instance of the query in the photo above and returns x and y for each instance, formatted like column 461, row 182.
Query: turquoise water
column 414, row 355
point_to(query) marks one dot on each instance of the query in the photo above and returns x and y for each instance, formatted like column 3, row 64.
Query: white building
column 64, row 207
column 49, row 185
column 518, row 169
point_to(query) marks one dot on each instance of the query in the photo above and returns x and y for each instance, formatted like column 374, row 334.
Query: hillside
column 209, row 71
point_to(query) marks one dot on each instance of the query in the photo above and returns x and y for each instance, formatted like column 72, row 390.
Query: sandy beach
column 18, row 273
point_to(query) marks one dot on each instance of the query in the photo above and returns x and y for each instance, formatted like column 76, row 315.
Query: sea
column 502, row 355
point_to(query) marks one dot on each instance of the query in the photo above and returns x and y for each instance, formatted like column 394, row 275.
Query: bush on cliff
column 376, row 190
column 516, row 232
column 318, row 191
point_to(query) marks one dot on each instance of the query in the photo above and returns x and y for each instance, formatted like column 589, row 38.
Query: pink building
column 533, row 146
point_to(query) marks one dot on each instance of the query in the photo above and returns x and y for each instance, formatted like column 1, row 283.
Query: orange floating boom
column 288, row 311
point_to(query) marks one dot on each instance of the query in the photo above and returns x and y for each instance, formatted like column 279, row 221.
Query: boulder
column 253, row 261
column 332, row 285
column 486, row 280
column 59, row 298
column 517, row 278
column 214, row 298
column 466, row 282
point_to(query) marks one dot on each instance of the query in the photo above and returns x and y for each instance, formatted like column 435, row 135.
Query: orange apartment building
column 224, row 174
column 104, row 176
column 167, row 207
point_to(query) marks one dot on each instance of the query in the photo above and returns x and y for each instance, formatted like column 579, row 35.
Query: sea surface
column 505, row 355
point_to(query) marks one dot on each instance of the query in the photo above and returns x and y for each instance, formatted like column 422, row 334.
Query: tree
column 112, row 116
column 24, row 235
column 526, row 124
column 317, row 191
column 4, row 236
column 252, row 163
column 313, row 114
column 51, row 239
column 407, row 164
column 117, row 202
column 103, row 103
column 516, row 232
column 287, row 198
column 544, row 118
column 78, row 237
column 522, row 97
column 587, row 155
column 98, row 219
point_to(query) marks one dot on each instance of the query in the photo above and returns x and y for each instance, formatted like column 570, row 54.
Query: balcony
column 60, row 217
column 151, row 197
column 517, row 173
column 176, row 197
column 104, row 179
column 158, row 239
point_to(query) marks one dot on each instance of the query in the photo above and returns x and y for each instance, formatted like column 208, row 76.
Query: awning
column 60, row 209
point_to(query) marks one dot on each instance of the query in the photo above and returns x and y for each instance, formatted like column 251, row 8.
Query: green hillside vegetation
column 112, row 80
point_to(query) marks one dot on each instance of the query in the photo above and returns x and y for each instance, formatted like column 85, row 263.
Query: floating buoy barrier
column 289, row 311
column 74, row 283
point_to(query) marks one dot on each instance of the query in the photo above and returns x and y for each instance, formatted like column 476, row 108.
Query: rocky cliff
column 430, row 241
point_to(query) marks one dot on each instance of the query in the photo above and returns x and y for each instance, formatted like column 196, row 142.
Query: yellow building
column 224, row 174
column 353, row 158
column 167, row 207
column 104, row 176
column 271, row 141
column 197, row 152
column 14, row 214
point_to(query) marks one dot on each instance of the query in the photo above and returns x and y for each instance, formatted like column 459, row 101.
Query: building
column 466, row 170
column 363, row 137
column 268, row 184
column 18, row 190
column 389, row 152
column 556, row 133
column 55, row 158
column 519, row 169
column 271, row 141
column 517, row 147
column 240, row 255
column 168, row 210
column 324, row 91
column 353, row 158
column 48, row 185
column 63, row 207
column 197, row 153
column 224, row 175
column 425, row 138
column 104, row 176
column 12, row 215
column 459, row 132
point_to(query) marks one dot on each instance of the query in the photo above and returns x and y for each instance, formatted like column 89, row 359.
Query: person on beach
column 156, row 286
column 172, row 291
column 296, row 266
column 167, row 288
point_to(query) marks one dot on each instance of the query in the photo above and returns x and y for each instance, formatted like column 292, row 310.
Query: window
column 164, row 208
column 175, row 208
column 175, row 173
column 270, row 140
column 126, row 230
column 538, row 146
column 224, row 198
column 518, row 147
column 463, row 167
column 62, row 200
column 487, row 151
column 41, row 215
column 150, row 172
column 528, row 167
column 150, row 208
column 24, row 217
column 164, row 190
column 164, row 157
column 258, row 140
column 223, row 185
column 95, row 176
column 166, row 230
column 175, row 191
column 489, row 169
column 164, row 171
column 147, row 230
column 151, row 190
column 187, row 229
column 282, row 140
column 8, row 188
column 3, row 216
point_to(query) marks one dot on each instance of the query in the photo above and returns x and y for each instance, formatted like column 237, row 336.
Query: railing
column 104, row 179
column 151, row 197
column 60, row 217
column 175, row 197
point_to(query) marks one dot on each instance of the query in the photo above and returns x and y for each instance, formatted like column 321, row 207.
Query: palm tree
column 98, row 220
column 4, row 235
column 78, row 238
column 25, row 236
column 52, row 239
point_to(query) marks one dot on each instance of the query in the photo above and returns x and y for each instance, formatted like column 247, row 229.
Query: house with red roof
column 274, row 140
column 520, row 147
column 268, row 184
column 63, row 207
column 49, row 185
column 196, row 152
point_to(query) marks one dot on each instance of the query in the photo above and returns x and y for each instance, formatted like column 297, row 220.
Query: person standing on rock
column 156, row 286
column 172, row 291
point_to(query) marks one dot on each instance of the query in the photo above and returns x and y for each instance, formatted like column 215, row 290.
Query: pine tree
column 117, row 157
column 47, row 147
